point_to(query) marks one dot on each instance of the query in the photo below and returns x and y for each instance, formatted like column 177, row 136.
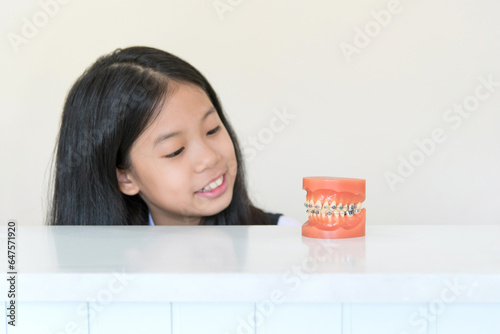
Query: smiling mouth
column 213, row 185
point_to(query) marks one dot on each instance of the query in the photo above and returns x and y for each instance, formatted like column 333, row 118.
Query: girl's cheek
column 229, row 146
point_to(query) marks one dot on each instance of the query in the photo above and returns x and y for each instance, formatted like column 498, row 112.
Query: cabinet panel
column 130, row 318
column 469, row 318
column 50, row 318
column 371, row 318
column 223, row 318
column 317, row 318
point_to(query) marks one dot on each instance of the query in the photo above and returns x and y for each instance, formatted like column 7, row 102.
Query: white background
column 354, row 116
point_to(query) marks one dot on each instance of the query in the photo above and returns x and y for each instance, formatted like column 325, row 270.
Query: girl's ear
column 127, row 186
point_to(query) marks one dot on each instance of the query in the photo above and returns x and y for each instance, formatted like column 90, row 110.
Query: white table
column 256, row 279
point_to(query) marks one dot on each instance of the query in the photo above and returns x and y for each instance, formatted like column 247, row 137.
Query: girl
column 144, row 140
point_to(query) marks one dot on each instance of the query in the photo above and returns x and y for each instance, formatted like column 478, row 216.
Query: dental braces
column 335, row 210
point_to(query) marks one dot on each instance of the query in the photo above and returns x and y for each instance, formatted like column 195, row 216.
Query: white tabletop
column 249, row 263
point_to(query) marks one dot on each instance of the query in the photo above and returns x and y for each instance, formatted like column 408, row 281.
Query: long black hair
column 105, row 111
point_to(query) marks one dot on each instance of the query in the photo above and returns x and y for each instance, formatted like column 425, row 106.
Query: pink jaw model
column 334, row 205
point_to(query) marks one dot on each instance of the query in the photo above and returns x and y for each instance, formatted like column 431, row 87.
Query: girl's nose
column 206, row 157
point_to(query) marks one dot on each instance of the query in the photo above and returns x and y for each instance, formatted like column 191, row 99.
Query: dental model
column 334, row 206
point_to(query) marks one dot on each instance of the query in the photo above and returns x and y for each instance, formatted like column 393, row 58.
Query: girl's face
column 183, row 165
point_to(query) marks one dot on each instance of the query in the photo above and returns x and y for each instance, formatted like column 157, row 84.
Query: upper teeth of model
column 214, row 184
column 333, row 208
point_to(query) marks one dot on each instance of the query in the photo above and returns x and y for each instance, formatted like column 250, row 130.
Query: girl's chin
column 210, row 207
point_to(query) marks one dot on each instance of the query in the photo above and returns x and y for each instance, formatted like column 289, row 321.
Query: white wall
column 354, row 116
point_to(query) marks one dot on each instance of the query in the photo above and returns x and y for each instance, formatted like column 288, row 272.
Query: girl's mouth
column 215, row 188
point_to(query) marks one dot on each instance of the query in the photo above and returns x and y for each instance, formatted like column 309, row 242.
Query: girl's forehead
column 186, row 107
column 185, row 101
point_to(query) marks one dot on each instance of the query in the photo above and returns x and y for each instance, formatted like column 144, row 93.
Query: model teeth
column 324, row 209
column 317, row 206
column 214, row 184
column 331, row 209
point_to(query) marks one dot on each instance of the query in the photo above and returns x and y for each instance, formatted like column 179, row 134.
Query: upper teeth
column 214, row 184
column 329, row 209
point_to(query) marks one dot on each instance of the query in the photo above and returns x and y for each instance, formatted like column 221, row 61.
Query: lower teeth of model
column 333, row 209
column 213, row 185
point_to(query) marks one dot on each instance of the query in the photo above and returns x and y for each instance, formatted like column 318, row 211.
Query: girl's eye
column 176, row 153
column 214, row 131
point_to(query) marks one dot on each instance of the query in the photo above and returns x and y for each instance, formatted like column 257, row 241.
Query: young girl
column 144, row 140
